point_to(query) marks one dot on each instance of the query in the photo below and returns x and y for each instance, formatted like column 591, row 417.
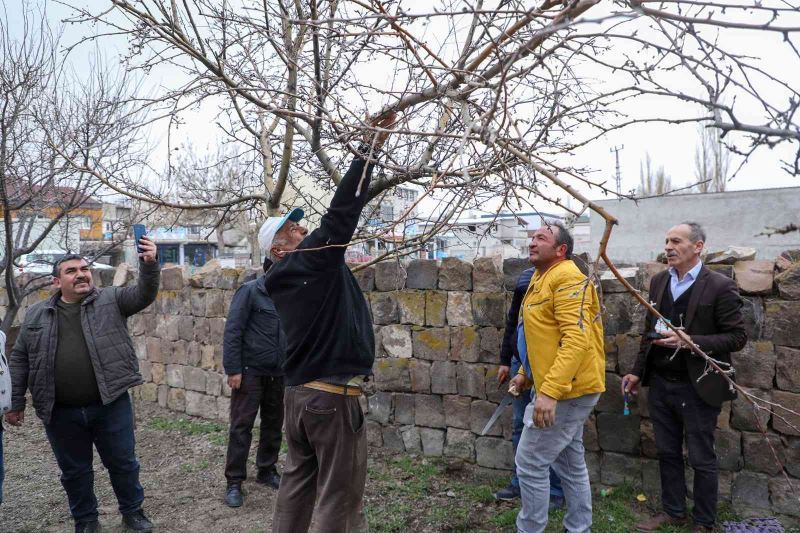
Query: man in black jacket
column 75, row 355
column 330, row 351
column 682, row 398
column 254, row 348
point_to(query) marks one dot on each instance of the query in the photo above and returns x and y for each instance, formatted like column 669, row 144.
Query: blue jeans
column 519, row 410
column 559, row 446
column 72, row 431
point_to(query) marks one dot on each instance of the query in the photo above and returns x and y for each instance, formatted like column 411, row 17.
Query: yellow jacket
column 565, row 347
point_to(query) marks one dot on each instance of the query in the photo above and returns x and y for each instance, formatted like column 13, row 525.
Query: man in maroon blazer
column 682, row 399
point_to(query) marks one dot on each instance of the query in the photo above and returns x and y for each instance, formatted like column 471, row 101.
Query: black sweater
column 323, row 311
column 509, row 347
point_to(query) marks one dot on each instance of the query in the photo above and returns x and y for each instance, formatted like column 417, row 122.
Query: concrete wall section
column 730, row 219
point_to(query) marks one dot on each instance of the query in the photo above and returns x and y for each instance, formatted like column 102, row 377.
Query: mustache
column 672, row 254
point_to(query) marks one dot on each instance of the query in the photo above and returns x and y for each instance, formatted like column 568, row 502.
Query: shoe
column 269, row 477
column 702, row 529
column 234, row 495
column 507, row 494
column 137, row 521
column 556, row 502
column 660, row 519
column 88, row 527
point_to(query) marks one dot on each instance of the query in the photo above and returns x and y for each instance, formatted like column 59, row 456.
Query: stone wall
column 438, row 330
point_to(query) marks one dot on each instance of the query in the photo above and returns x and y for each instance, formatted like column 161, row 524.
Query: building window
column 387, row 212
column 84, row 222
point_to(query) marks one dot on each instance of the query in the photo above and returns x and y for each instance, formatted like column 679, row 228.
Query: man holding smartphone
column 706, row 306
column 75, row 355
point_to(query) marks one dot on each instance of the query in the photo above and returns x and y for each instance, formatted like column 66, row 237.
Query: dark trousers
column 676, row 409
column 72, row 431
column 255, row 392
column 326, row 463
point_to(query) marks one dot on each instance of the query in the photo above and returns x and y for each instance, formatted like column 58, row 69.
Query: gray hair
column 279, row 240
column 696, row 231
column 563, row 236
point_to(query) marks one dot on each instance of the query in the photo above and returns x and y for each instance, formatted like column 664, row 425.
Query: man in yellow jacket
column 562, row 336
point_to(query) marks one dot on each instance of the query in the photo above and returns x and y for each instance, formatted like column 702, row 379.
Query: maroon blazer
column 713, row 321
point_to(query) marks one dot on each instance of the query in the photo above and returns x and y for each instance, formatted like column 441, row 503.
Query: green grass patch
column 218, row 439
column 505, row 518
column 217, row 433
column 391, row 518
column 189, row 468
column 412, row 477
column 450, row 519
column 613, row 513
column 376, row 475
column 474, row 493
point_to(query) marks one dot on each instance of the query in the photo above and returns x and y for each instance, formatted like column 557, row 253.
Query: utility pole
column 617, row 150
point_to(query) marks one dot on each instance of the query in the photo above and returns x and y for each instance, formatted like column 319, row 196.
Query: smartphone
column 138, row 232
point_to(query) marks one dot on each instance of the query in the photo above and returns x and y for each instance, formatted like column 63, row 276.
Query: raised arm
column 340, row 221
column 131, row 300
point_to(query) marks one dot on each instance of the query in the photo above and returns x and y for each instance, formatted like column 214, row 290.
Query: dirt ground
column 182, row 463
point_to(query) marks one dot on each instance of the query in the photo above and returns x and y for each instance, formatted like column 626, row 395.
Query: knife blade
column 506, row 401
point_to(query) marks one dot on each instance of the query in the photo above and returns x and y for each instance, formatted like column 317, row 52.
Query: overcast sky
column 670, row 146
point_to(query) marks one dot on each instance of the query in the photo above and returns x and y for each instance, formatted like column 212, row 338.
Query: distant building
column 115, row 220
column 731, row 218
column 190, row 245
column 63, row 217
column 393, row 216
column 504, row 235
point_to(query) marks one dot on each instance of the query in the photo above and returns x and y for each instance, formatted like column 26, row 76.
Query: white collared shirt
column 677, row 287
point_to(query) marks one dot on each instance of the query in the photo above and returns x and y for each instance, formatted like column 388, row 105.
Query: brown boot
column 702, row 529
column 661, row 519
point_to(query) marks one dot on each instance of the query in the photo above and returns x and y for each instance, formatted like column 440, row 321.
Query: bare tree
column 46, row 111
column 711, row 161
column 497, row 98
column 294, row 80
column 653, row 181
column 208, row 177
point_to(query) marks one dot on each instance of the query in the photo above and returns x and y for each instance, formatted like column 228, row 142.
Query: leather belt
column 344, row 390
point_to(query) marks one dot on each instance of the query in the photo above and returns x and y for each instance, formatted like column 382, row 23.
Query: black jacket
column 323, row 311
column 714, row 322
column 254, row 342
column 509, row 348
column 104, row 317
